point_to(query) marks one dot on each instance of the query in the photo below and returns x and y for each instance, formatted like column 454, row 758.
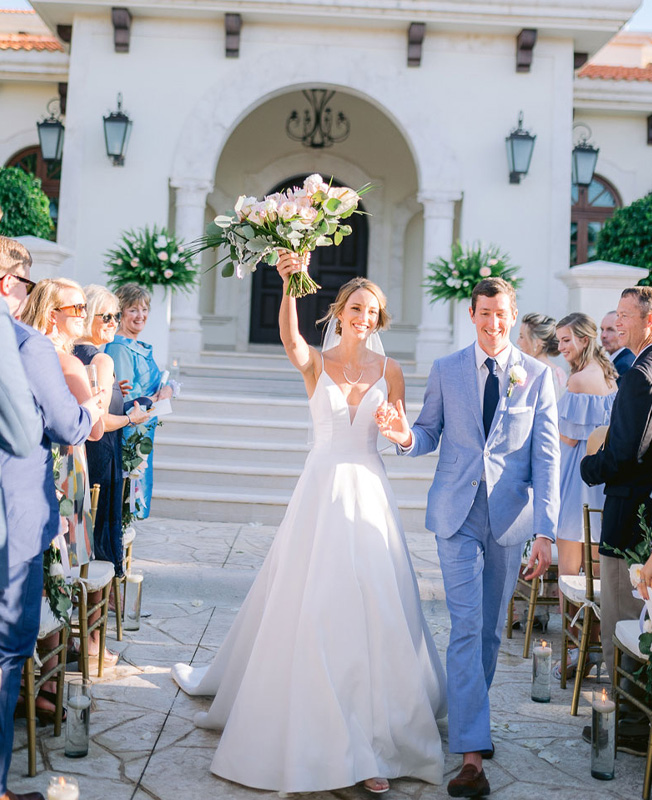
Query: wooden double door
column 329, row 266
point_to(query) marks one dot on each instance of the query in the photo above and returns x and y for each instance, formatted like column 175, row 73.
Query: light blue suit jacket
column 520, row 458
column 21, row 426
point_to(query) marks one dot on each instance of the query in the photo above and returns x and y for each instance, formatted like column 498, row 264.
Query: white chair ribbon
column 586, row 604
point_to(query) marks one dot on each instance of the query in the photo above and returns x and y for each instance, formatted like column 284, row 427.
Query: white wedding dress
column 329, row 675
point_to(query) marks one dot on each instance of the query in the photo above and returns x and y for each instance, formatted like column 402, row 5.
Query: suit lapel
column 470, row 380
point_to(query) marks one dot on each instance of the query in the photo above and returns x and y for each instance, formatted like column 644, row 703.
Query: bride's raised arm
column 305, row 358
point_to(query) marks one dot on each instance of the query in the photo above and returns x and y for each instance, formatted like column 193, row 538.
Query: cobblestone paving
column 145, row 746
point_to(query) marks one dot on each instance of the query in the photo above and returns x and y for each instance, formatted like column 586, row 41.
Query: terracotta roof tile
column 610, row 73
column 29, row 41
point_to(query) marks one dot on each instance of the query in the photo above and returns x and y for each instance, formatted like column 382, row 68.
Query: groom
column 497, row 484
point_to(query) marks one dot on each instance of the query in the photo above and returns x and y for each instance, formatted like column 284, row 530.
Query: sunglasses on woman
column 28, row 284
column 106, row 318
column 78, row 309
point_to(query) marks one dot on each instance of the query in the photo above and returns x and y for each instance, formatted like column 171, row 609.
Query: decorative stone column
column 185, row 327
column 595, row 288
column 433, row 337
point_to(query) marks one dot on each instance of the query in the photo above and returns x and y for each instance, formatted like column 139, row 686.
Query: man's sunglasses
column 106, row 318
column 29, row 284
column 78, row 309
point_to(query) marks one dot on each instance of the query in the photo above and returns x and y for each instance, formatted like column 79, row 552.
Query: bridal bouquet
column 298, row 220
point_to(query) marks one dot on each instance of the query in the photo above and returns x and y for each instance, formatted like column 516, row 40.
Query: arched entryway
column 329, row 266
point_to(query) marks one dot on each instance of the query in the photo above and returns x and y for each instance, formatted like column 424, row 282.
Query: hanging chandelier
column 316, row 127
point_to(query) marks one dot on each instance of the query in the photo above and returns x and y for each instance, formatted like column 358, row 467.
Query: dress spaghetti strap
column 384, row 367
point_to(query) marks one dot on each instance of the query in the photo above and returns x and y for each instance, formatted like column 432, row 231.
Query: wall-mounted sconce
column 317, row 127
column 585, row 157
column 50, row 132
column 520, row 146
column 117, row 129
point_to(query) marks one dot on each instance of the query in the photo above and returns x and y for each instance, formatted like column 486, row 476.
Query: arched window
column 31, row 161
column 591, row 206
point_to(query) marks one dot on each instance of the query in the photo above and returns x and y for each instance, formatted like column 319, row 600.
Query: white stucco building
column 209, row 123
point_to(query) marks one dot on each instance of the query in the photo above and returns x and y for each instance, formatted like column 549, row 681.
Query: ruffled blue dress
column 579, row 415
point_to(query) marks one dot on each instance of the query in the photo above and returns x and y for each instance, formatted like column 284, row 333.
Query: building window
column 591, row 206
column 30, row 160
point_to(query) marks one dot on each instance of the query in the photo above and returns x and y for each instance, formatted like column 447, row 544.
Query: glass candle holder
column 62, row 787
column 133, row 599
column 603, row 734
column 541, row 670
column 78, row 718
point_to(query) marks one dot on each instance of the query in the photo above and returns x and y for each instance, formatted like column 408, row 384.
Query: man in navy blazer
column 621, row 357
column 30, row 501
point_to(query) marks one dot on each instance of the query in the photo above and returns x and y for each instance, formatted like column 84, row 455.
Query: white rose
column 134, row 262
column 485, row 272
column 161, row 241
column 152, row 274
column 163, row 255
column 168, row 273
column 174, row 258
column 315, row 183
column 56, row 570
column 287, row 210
column 635, row 574
column 517, row 374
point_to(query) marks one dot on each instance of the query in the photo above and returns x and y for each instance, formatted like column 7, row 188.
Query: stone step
column 238, row 429
column 273, row 357
column 405, row 482
column 193, row 449
column 239, row 505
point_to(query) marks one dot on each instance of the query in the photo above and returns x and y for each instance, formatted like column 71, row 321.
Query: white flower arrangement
column 298, row 220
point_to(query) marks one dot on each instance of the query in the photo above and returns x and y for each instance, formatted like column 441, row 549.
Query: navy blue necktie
column 491, row 393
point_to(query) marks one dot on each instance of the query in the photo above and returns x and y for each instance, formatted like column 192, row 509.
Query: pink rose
column 315, row 183
column 287, row 210
column 485, row 272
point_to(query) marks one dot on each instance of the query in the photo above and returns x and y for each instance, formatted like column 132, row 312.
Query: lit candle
column 541, row 669
column 133, row 599
column 603, row 734
column 61, row 788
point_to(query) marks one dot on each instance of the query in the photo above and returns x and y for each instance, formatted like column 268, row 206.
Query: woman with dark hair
column 329, row 675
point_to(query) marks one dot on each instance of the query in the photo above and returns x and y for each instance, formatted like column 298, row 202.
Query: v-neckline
column 348, row 405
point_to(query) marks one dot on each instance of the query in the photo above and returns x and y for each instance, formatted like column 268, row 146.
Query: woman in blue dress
column 134, row 362
column 586, row 405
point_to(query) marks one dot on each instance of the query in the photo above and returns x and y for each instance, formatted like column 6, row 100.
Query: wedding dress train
column 329, row 675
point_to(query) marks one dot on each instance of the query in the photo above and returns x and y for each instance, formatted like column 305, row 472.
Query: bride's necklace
column 358, row 379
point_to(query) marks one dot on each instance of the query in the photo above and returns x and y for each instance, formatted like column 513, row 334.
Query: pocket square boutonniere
column 517, row 376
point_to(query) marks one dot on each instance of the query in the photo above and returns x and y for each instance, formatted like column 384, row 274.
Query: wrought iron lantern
column 117, row 129
column 316, row 128
column 520, row 146
column 50, row 133
column 585, row 157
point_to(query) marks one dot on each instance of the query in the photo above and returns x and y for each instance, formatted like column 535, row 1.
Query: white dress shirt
column 483, row 371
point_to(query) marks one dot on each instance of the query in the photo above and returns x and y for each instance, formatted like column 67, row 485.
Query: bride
column 329, row 675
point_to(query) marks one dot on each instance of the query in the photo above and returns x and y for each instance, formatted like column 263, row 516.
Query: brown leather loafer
column 469, row 782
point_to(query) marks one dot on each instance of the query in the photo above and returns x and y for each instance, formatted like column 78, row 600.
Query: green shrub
column 626, row 238
column 25, row 206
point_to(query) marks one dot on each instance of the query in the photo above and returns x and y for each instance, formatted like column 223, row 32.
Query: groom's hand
column 393, row 424
column 541, row 556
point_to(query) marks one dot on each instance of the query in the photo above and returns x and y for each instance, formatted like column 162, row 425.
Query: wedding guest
column 105, row 455
column 585, row 406
column 134, row 361
column 21, row 426
column 31, row 507
column 538, row 338
column 624, row 465
column 622, row 357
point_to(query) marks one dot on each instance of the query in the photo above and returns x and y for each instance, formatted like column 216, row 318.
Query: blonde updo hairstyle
column 46, row 297
column 336, row 308
column 544, row 329
column 97, row 298
column 583, row 327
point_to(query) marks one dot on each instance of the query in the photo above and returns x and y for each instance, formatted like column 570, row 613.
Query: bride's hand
column 393, row 424
column 289, row 263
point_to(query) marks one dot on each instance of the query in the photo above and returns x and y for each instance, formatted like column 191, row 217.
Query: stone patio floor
column 145, row 746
